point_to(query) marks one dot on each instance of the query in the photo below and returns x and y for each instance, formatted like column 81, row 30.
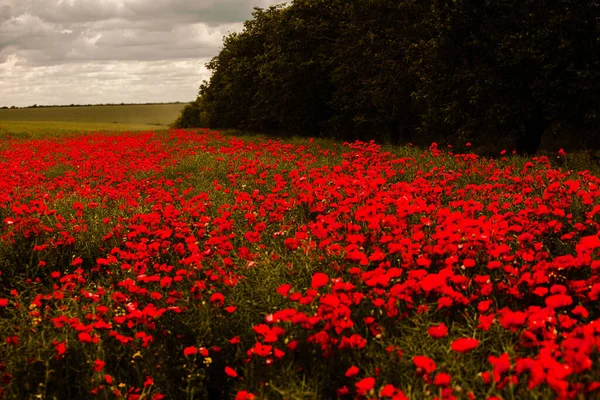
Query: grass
column 45, row 129
column 144, row 114
column 34, row 123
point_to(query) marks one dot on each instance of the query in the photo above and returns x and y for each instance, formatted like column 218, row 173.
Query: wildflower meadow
column 191, row 264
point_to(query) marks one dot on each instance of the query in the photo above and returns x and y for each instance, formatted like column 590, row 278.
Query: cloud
column 120, row 50
column 102, row 82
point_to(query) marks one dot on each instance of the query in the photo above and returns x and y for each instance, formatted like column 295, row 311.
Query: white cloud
column 101, row 82
column 98, row 51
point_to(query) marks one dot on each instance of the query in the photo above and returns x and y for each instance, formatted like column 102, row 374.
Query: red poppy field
column 195, row 265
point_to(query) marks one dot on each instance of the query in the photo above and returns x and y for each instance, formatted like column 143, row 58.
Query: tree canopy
column 398, row 70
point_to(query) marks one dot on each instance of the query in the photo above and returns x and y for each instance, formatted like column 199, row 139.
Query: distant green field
column 52, row 121
column 152, row 114
column 43, row 129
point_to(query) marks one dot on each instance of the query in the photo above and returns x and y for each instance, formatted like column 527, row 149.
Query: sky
column 111, row 51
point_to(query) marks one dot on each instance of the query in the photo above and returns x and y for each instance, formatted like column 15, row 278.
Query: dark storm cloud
column 49, row 47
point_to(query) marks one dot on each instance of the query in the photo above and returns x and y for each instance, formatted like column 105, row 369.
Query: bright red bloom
column 231, row 372
column 284, row 289
column 365, row 385
column 510, row 318
column 559, row 300
column 501, row 365
column 190, row 351
column 203, row 351
column 98, row 365
column 433, row 281
column 464, row 345
column 77, row 261
column 387, row 391
column 217, row 298
column 442, row 379
column 85, row 337
column 424, row 363
column 469, row 263
column 262, row 350
column 252, row 237
column 244, row 395
column 581, row 311
column 485, row 321
column 438, row 331
column 148, row 381
column 230, row 309
column 61, row 348
column 352, row 371
column 319, row 279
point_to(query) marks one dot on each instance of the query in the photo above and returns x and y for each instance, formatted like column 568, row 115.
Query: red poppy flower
column 442, row 379
column 501, row 365
column 365, row 385
column 581, row 311
column 262, row 350
column 244, row 395
column 230, row 309
column 433, row 281
column 352, row 371
column 217, row 298
column 284, row 289
column 98, row 365
column 438, row 331
column 387, row 391
column 230, row 372
column 469, row 263
column 424, row 363
column 77, row 261
column 558, row 300
column 148, row 381
column 61, row 348
column 319, row 279
column 190, row 351
column 464, row 345
column 343, row 391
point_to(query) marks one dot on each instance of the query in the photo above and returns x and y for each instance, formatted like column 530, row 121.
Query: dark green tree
column 293, row 74
column 371, row 79
column 228, row 97
column 508, row 67
column 390, row 70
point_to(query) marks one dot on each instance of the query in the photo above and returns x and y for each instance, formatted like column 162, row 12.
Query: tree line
column 410, row 70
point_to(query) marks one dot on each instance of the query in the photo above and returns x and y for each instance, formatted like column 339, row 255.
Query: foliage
column 190, row 116
column 509, row 68
column 406, row 70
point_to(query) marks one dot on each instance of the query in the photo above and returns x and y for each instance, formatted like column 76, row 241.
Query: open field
column 45, row 129
column 150, row 114
column 197, row 265
column 44, row 122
